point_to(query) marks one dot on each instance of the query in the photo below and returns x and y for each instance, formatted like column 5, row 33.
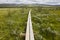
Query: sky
column 51, row 2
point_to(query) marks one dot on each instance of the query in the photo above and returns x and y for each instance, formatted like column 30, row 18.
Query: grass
column 12, row 23
column 46, row 23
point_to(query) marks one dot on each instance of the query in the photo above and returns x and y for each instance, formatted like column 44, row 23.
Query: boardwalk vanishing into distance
column 29, row 30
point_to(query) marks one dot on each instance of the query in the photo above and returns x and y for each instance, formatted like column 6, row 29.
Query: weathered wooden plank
column 29, row 30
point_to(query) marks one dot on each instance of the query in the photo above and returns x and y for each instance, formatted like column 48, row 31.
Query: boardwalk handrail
column 29, row 30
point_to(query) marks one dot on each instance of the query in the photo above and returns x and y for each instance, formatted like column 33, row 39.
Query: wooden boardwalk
column 29, row 30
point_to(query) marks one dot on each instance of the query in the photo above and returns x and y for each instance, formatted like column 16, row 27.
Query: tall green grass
column 13, row 23
column 46, row 23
